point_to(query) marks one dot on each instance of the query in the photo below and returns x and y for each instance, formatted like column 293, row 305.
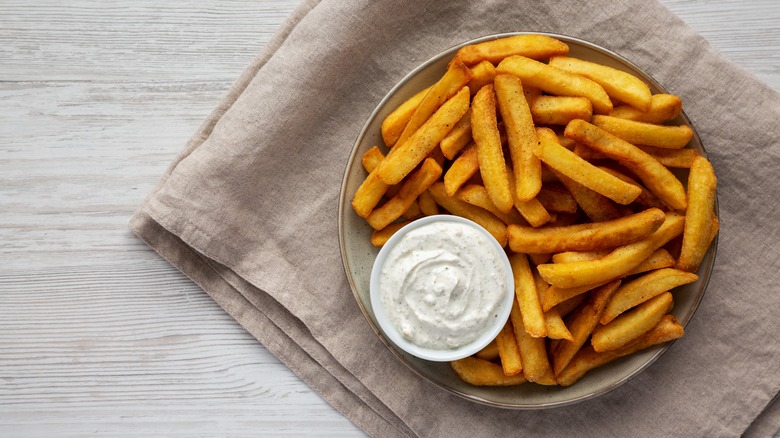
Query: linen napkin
column 249, row 211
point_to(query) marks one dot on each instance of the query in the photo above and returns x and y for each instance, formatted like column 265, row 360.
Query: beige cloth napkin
column 249, row 212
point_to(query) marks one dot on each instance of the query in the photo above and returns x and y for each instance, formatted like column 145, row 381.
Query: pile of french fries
column 567, row 164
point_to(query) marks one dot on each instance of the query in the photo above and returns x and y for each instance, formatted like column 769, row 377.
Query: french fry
column 556, row 295
column 668, row 329
column 371, row 159
column 641, row 289
column 458, row 138
column 631, row 325
column 648, row 134
column 663, row 107
column 369, row 194
column 490, row 352
column 596, row 206
column 418, row 182
column 508, row 351
column 477, row 195
column 455, row 206
column 404, row 157
column 557, row 199
column 380, row 237
column 481, row 74
column 566, row 307
column 618, row 84
column 527, row 296
column 660, row 259
column 556, row 81
column 698, row 218
column 560, row 110
column 521, row 136
column 479, row 372
column 462, row 169
column 620, row 261
column 581, row 324
column 533, row 352
column 428, row 206
column 569, row 164
column 532, row 211
column 531, row 94
column 646, row 199
column 492, row 166
column 579, row 256
column 657, row 178
column 393, row 125
column 553, row 323
column 680, row 158
column 593, row 236
column 538, row 259
column 413, row 212
column 532, row 46
column 455, row 78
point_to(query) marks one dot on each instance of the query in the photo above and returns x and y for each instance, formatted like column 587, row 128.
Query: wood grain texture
column 97, row 333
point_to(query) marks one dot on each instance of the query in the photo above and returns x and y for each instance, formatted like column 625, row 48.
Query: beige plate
column 358, row 254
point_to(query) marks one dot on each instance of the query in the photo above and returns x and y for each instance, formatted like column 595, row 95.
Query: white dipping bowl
column 389, row 330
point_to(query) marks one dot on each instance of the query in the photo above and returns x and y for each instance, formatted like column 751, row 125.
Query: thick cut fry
column 560, row 110
column 532, row 46
column 403, row 158
column 527, row 296
column 592, row 236
column 557, row 199
column 668, row 329
column 380, row 237
column 481, row 74
column 556, row 81
column 620, row 261
column 646, row 199
column 532, row 211
column 596, row 206
column 663, row 107
column 698, row 217
column 372, row 158
column 531, row 94
column 631, row 325
column 428, row 206
column 413, row 212
column 393, row 125
column 579, row 256
column 479, row 372
column 521, row 136
column 458, row 138
column 462, row 169
column 641, row 289
column 569, row 164
column 490, row 352
column 418, row 182
column 657, row 178
column 660, row 259
column 453, row 81
column 618, row 84
column 477, row 195
column 490, row 222
column 680, row 158
column 581, row 323
column 533, row 352
column 508, row 351
column 649, row 134
column 369, row 194
column 492, row 166
column 553, row 323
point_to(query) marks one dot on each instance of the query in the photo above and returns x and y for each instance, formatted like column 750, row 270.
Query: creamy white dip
column 442, row 285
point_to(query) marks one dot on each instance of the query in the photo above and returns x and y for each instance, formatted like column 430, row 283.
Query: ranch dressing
column 442, row 285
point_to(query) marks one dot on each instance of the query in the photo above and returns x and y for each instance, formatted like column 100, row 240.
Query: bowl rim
column 343, row 205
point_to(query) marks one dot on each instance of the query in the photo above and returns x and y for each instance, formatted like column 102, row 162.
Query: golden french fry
column 596, row 206
column 620, row 261
column 418, row 182
column 477, row 195
column 369, row 194
column 556, row 81
column 581, row 324
column 566, row 307
column 453, row 81
column 527, row 296
column 479, row 372
column 428, row 206
column 586, row 359
column 648, row 134
column 489, row 221
column 508, row 351
column 458, row 138
column 404, row 157
column 393, row 125
column 532, row 211
column 618, row 84
column 557, row 199
column 531, row 94
column 538, row 259
column 660, row 259
column 553, row 323
column 698, row 218
column 680, row 158
column 521, row 136
column 490, row 352
column 413, row 212
column 371, row 158
column 631, row 325
column 481, row 74
column 492, row 166
column 560, row 110
column 380, row 237
column 556, row 295
column 532, row 46
column 462, row 169
column 657, row 178
column 569, row 164
column 663, row 107
column 641, row 289
column 536, row 365
column 646, row 199
column 592, row 236
column 579, row 256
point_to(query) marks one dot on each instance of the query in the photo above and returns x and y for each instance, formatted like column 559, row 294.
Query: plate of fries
column 587, row 172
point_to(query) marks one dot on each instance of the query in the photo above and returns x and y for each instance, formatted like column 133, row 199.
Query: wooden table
column 98, row 334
